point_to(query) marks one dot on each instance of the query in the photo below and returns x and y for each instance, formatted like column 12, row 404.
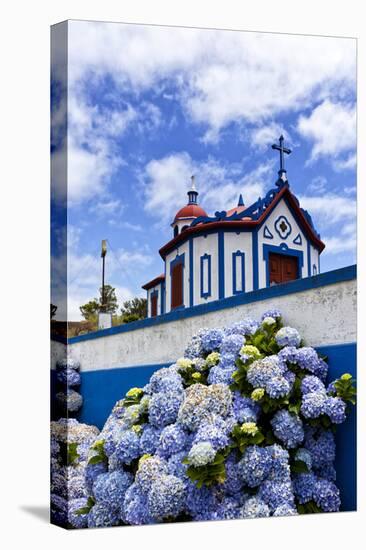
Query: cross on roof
column 282, row 150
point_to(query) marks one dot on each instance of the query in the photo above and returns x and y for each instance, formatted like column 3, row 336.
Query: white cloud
column 335, row 217
column 220, row 76
column 331, row 127
column 264, row 136
column 167, row 180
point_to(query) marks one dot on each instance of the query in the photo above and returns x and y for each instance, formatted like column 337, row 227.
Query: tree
column 133, row 310
column 92, row 308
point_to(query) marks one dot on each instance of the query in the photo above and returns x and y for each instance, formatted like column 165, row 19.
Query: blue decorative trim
column 267, row 234
column 324, row 279
column 154, row 294
column 191, row 280
column 162, row 297
column 282, row 234
column 285, row 251
column 309, row 259
column 206, row 258
column 315, row 270
column 240, row 255
column 255, row 260
column 297, row 239
column 254, row 211
column 318, row 263
column 221, row 262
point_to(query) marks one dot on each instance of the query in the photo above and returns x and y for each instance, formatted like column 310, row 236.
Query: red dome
column 190, row 211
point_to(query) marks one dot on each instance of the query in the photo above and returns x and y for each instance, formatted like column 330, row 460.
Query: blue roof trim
column 324, row 279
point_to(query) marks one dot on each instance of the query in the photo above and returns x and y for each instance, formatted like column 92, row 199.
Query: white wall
column 205, row 245
column 326, row 315
column 243, row 243
column 149, row 292
column 280, row 209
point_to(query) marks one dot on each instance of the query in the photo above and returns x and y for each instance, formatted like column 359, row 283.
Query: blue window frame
column 205, row 275
column 238, row 267
column 315, row 270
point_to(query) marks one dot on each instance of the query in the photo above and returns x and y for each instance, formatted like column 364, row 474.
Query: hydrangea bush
column 242, row 426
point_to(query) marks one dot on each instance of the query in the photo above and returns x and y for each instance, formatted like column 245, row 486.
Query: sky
column 149, row 106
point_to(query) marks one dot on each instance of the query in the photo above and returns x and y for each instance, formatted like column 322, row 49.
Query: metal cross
column 282, row 150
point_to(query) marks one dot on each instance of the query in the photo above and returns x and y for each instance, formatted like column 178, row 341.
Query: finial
column 241, row 200
column 193, row 185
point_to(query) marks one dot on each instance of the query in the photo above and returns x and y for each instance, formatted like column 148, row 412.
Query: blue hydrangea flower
column 69, row 377
column 76, row 487
column 288, row 336
column 194, row 349
column 288, row 354
column 201, row 454
column 288, row 428
column 304, row 486
column 166, row 380
column 213, row 432
column 254, row 507
column 314, row 404
column 245, row 409
column 255, row 465
column 233, row 483
column 278, row 387
column 227, row 361
column 202, row 403
column 172, row 440
column 201, row 502
column 335, row 408
column 285, row 510
column 310, row 384
column 176, row 466
column 128, row 447
column 166, row 498
column 262, row 371
column 164, row 407
column 110, row 488
column 307, row 359
column 102, row 515
column 135, row 508
column 149, row 439
column 276, row 493
column 231, row 344
column 280, row 468
column 246, row 327
column 219, row 375
column 326, row 495
column 92, row 471
column 76, row 520
column 66, row 363
column 321, row 445
column 211, row 339
column 275, row 313
column 150, row 470
column 327, row 472
column 228, row 508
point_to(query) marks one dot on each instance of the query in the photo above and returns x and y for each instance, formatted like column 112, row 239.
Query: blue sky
column 148, row 106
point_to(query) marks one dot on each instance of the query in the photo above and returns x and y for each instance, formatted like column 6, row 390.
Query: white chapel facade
column 241, row 250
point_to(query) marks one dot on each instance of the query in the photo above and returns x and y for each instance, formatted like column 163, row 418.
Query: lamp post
column 104, row 318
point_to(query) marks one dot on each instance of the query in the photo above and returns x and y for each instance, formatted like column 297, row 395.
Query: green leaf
column 95, row 459
column 72, row 454
column 299, row 467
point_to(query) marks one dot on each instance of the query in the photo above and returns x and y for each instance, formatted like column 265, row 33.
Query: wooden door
column 282, row 268
column 177, row 286
column 154, row 305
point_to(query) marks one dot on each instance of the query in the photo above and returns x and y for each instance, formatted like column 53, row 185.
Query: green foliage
column 133, row 310
column 299, row 467
column 308, row 508
column 93, row 307
column 99, row 456
column 72, row 454
column 210, row 474
column 246, row 434
column 345, row 388
column 133, row 397
column 86, row 509
column 192, row 376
